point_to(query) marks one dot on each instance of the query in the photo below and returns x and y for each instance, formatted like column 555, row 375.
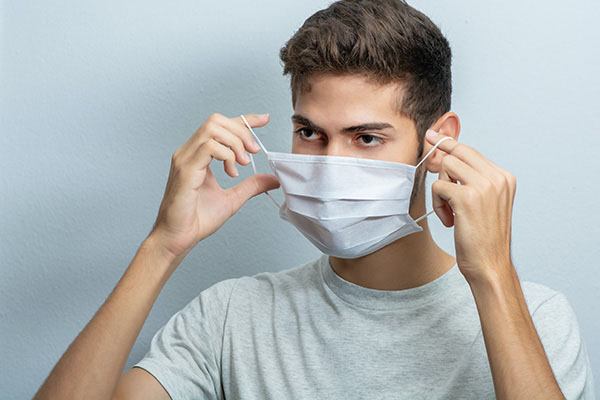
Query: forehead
column 349, row 98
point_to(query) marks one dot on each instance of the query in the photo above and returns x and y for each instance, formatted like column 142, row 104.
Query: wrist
column 498, row 286
column 492, row 275
column 152, row 247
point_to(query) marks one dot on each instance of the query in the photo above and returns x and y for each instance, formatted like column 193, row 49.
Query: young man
column 384, row 313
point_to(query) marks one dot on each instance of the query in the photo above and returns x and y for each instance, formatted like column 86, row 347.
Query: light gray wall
column 96, row 96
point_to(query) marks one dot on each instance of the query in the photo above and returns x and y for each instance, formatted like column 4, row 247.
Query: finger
column 255, row 120
column 228, row 139
column 201, row 135
column 441, row 206
column 444, row 176
column 237, row 126
column 216, row 120
column 250, row 187
column 442, row 195
column 457, row 170
column 465, row 153
column 253, row 123
column 213, row 149
column 444, row 210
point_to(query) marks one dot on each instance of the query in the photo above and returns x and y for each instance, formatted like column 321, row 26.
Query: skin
column 338, row 102
column 472, row 194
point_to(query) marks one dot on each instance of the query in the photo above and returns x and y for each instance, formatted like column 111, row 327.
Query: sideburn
column 420, row 176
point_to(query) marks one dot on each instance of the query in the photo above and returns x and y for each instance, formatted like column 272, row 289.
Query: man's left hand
column 476, row 197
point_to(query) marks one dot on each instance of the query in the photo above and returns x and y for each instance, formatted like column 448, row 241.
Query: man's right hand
column 194, row 205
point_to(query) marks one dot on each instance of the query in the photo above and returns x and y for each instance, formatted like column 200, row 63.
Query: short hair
column 387, row 41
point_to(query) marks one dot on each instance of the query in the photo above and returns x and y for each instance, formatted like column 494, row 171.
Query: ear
column 448, row 125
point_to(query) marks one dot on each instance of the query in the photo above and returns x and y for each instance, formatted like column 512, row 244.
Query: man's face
column 348, row 116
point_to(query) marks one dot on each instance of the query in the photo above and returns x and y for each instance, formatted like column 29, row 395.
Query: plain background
column 96, row 96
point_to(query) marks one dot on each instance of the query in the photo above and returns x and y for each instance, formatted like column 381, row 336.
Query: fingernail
column 431, row 133
column 256, row 146
column 263, row 115
column 246, row 158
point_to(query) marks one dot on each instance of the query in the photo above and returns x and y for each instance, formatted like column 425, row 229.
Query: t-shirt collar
column 375, row 299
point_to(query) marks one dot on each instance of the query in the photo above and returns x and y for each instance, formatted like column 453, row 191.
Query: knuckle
column 214, row 117
column 248, row 139
column 212, row 123
column 211, row 145
column 245, row 135
column 499, row 181
column 175, row 160
column 505, row 180
column 239, row 145
column 487, row 186
column 472, row 196
column 458, row 149
column 445, row 161
column 511, row 178
column 209, row 127
column 462, row 150
column 226, row 153
column 474, row 151
column 231, row 155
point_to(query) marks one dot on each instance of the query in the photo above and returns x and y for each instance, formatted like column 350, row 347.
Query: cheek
column 396, row 152
column 294, row 147
column 296, row 143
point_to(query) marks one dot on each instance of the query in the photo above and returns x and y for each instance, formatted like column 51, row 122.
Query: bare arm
column 92, row 365
column 517, row 359
column 193, row 207
column 476, row 197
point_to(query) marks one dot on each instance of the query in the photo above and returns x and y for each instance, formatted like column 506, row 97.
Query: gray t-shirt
column 306, row 333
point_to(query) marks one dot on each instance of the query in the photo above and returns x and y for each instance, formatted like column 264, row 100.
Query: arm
column 476, row 197
column 193, row 207
column 92, row 365
column 518, row 362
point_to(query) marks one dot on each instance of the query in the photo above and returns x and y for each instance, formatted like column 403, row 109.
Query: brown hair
column 387, row 41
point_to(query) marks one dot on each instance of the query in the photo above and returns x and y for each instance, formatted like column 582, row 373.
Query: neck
column 411, row 261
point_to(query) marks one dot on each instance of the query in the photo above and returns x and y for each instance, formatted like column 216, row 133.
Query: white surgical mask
column 347, row 207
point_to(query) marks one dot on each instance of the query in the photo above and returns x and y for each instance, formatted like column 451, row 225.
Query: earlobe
column 447, row 125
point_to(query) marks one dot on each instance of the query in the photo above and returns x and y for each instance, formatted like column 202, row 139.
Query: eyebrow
column 369, row 126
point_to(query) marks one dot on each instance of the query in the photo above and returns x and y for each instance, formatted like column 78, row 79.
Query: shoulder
column 246, row 291
column 537, row 295
column 303, row 276
column 552, row 314
column 219, row 296
column 557, row 327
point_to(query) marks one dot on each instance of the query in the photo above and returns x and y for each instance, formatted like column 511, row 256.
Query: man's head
column 394, row 63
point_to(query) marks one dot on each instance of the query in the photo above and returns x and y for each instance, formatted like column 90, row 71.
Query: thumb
column 252, row 186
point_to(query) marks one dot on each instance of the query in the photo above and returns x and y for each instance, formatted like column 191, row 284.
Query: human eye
column 370, row 140
column 307, row 134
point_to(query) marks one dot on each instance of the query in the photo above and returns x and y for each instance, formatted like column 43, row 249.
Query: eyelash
column 299, row 133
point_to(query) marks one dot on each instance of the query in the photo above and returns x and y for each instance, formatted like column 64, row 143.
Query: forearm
column 93, row 363
column 519, row 365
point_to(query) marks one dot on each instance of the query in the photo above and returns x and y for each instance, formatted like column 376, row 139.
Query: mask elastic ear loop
column 254, row 134
column 252, row 159
column 427, row 155
column 431, row 151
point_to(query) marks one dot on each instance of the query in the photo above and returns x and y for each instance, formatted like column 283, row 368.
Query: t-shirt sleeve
column 558, row 330
column 185, row 354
